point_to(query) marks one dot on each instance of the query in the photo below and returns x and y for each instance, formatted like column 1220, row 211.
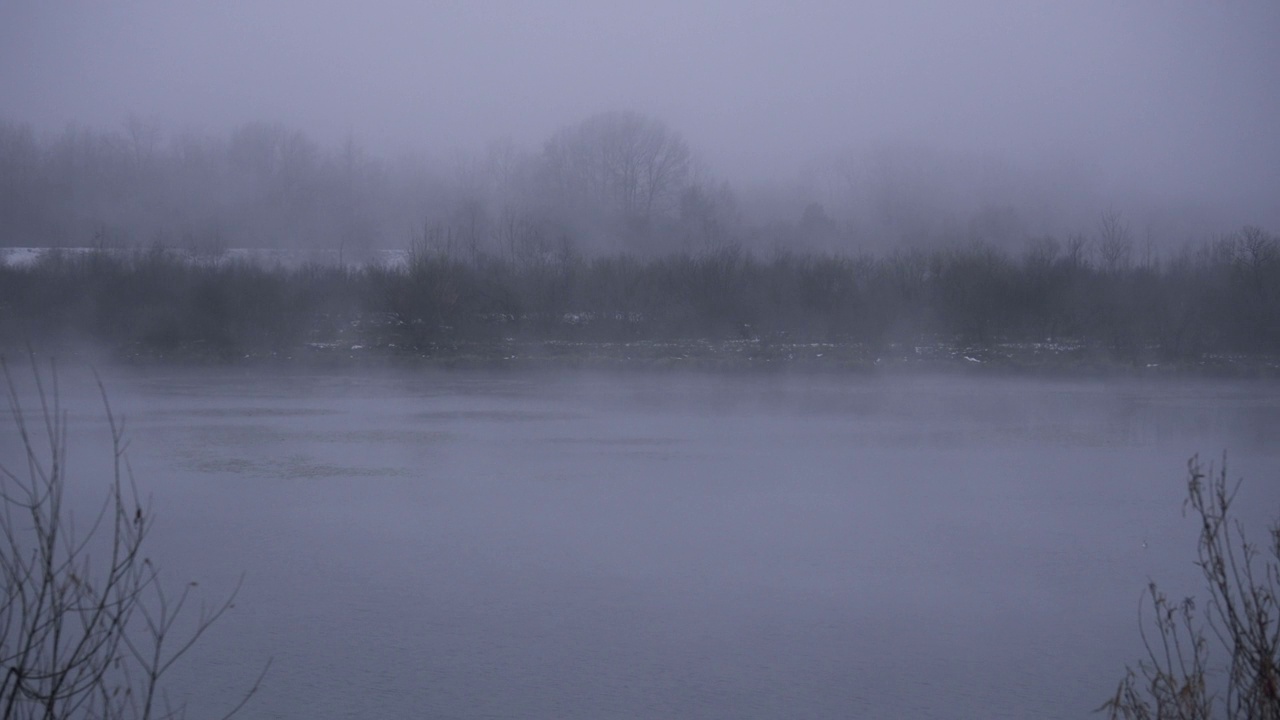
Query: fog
column 1161, row 110
column 580, row 359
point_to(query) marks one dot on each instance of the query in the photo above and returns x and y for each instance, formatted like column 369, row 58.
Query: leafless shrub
column 87, row 629
column 1177, row 679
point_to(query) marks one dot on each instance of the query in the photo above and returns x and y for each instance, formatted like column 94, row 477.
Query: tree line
column 1220, row 297
column 614, row 181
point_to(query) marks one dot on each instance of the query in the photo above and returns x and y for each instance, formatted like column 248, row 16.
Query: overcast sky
column 1181, row 96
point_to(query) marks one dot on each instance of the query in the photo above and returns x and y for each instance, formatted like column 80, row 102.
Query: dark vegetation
column 1180, row 679
column 1075, row 302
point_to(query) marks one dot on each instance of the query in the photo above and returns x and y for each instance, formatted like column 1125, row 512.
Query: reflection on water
column 639, row 546
column 496, row 415
column 246, row 412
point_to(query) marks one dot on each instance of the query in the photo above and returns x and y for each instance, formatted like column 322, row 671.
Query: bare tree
column 87, row 629
column 143, row 137
column 1115, row 242
column 626, row 164
column 1077, row 251
column 708, row 216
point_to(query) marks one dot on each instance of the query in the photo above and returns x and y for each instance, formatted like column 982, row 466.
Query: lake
column 662, row 545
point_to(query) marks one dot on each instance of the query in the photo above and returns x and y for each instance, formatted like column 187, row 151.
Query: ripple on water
column 496, row 415
column 289, row 468
column 248, row 412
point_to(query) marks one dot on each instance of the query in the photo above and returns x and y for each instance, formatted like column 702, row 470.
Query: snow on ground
column 19, row 257
column 27, row 256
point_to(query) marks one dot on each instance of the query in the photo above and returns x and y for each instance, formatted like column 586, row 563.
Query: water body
column 466, row 545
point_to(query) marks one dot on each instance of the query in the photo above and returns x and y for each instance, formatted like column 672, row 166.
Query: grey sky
column 1174, row 96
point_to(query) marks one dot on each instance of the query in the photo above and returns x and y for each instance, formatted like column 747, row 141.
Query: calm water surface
column 463, row 545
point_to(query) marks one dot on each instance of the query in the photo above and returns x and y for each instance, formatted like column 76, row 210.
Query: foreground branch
column 87, row 630
column 1176, row 680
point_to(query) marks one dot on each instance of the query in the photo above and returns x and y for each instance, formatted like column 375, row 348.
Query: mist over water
column 659, row 545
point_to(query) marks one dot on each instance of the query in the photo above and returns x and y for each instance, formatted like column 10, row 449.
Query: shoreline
column 698, row 355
